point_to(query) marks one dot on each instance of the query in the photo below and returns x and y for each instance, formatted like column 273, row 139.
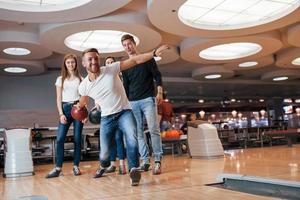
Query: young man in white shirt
column 107, row 90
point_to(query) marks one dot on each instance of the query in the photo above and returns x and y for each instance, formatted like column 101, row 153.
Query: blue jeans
column 61, row 135
column 147, row 108
column 124, row 121
column 118, row 147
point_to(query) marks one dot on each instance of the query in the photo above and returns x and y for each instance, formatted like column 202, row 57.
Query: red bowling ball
column 79, row 114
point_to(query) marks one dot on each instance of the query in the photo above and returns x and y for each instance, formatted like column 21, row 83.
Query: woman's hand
column 63, row 119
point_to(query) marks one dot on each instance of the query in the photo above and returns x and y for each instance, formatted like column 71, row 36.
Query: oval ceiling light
column 281, row 75
column 212, row 72
column 17, row 51
column 230, row 51
column 280, row 78
column 255, row 63
column 248, row 64
column 15, row 69
column 21, row 67
column 213, row 76
column 106, row 41
column 296, row 61
column 231, row 14
column 42, row 6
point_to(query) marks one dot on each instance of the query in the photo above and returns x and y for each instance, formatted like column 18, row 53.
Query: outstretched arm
column 141, row 58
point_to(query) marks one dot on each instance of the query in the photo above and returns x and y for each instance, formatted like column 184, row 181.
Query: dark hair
column 90, row 50
column 127, row 37
column 164, row 95
column 109, row 57
column 64, row 71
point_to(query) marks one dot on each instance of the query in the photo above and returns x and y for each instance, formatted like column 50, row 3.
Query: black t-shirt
column 139, row 81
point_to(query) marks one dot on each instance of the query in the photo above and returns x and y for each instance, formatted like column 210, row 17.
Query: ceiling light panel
column 213, row 76
column 230, row 51
column 248, row 64
column 296, row 61
column 41, row 5
column 280, row 78
column 16, row 51
column 15, row 69
column 232, row 14
column 106, row 41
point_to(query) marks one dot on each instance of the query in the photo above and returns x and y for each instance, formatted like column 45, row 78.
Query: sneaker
column 54, row 173
column 145, row 167
column 135, row 176
column 122, row 169
column 156, row 168
column 99, row 172
column 111, row 169
column 76, row 171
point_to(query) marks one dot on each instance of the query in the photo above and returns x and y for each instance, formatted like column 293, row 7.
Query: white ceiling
column 156, row 22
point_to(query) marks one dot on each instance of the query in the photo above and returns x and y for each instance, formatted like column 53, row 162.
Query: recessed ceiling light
column 261, row 100
column 41, row 5
column 17, row 51
column 15, row 69
column 248, row 64
column 230, row 51
column 157, row 58
column 280, row 78
column 296, row 61
column 106, row 41
column 232, row 14
column 233, row 100
column 213, row 76
column 201, row 101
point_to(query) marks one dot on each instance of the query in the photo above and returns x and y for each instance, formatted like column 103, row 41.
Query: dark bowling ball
column 95, row 116
column 79, row 114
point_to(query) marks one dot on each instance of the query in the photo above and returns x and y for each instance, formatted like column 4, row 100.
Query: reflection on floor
column 182, row 178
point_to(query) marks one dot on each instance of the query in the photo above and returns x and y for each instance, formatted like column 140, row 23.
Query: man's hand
column 159, row 51
column 77, row 105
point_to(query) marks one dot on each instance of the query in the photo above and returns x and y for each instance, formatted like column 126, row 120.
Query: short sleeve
column 81, row 88
column 58, row 81
column 115, row 67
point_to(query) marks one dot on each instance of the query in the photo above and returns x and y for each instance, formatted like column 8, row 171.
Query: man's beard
column 131, row 52
column 94, row 69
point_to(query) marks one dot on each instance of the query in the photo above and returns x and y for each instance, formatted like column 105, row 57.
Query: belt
column 71, row 102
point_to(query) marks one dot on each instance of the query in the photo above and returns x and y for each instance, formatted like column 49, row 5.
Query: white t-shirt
column 70, row 90
column 107, row 90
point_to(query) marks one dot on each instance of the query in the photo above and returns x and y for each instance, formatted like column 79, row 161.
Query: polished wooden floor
column 182, row 178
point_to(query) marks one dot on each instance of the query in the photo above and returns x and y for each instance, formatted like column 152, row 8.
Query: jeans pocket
column 67, row 109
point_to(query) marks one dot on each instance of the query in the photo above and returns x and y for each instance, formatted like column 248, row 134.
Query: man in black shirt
column 140, row 89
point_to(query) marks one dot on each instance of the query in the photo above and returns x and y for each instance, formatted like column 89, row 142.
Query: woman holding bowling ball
column 66, row 96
